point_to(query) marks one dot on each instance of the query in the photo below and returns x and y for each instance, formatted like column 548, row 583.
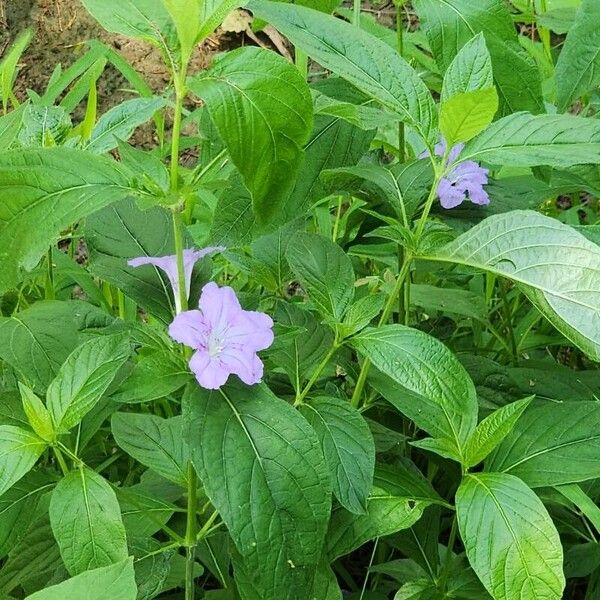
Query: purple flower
column 169, row 265
column 225, row 336
column 465, row 180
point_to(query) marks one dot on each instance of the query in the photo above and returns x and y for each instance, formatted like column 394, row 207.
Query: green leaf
column 44, row 126
column 120, row 122
column 524, row 140
column 18, row 507
column 583, row 502
column 578, row 65
column 449, row 301
column 37, row 340
column 37, row 414
column 451, row 24
column 10, row 125
column 44, row 192
column 19, row 451
column 493, row 430
column 470, row 70
column 552, row 444
column 153, row 441
column 447, row 405
column 84, row 378
column 212, row 14
column 253, row 450
column 360, row 58
column 348, row 448
column 522, row 555
column 465, row 115
column 86, row 521
column 325, row 272
column 9, row 66
column 264, row 117
column 391, row 507
column 186, row 16
column 361, row 313
column 114, row 582
column 555, row 265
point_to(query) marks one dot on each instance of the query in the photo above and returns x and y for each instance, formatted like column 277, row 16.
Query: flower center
column 215, row 343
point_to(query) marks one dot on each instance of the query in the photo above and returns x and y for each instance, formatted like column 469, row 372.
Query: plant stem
column 400, row 48
column 316, row 373
column 190, row 532
column 301, row 61
column 181, row 298
column 338, row 214
column 356, row 12
column 49, row 291
column 428, row 204
column 179, row 79
column 448, row 559
column 61, row 461
column 509, row 325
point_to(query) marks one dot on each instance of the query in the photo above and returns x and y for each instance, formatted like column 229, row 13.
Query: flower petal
column 209, row 372
column 219, row 306
column 450, row 196
column 190, row 328
column 246, row 365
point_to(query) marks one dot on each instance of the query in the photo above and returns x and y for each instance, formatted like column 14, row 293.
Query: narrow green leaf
column 44, row 192
column 19, row 451
column 186, row 16
column 86, row 521
column 10, row 125
column 8, row 66
column 465, row 115
column 522, row 555
column 84, row 377
column 154, row 442
column 253, row 450
column 555, row 265
column 552, row 444
column 583, row 502
column 348, row 448
column 325, row 271
column 492, row 430
column 114, row 582
column 37, row 413
column 264, row 117
column 360, row 58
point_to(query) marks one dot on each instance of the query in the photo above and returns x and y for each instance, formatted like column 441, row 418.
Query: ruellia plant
column 331, row 331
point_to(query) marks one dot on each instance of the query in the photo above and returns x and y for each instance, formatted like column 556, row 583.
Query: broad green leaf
column 326, row 586
column 348, row 448
column 264, row 117
column 522, row 555
column 36, row 341
column 492, row 430
column 465, row 115
column 84, row 378
column 212, row 14
column 325, row 272
column 9, row 66
column 554, row 264
column 114, row 582
column 153, row 441
column 450, row 24
column 365, row 61
column 37, row 414
column 525, row 140
column 10, row 125
column 392, row 505
column 120, row 122
column 143, row 19
column 19, row 451
column 449, row 301
column 44, row 192
column 470, row 70
column 86, row 521
column 186, row 16
column 44, row 126
column 261, row 465
column 552, row 444
column 423, row 366
column 361, row 313
column 143, row 513
column 17, row 508
column 578, row 65
column 442, row 446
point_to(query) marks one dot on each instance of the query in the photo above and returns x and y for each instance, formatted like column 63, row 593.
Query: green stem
column 356, row 12
column 49, row 292
column 181, row 298
column 448, row 559
column 301, row 61
column 400, row 47
column 509, row 326
column 428, row 204
column 336, row 224
column 176, row 133
column 207, row 526
column 190, row 532
column 61, row 461
column 316, row 374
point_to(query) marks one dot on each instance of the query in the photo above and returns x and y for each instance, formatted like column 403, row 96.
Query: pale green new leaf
column 84, row 377
column 120, row 122
column 86, row 521
column 325, row 272
column 154, row 442
column 19, row 451
column 348, row 448
column 426, row 368
column 509, row 537
column 186, row 16
column 44, row 192
column 578, row 65
column 525, row 140
column 114, row 582
column 552, row 444
column 261, row 466
column 470, row 70
column 264, row 117
column 465, row 115
column 360, row 58
column 492, row 430
column 556, row 266
column 37, row 413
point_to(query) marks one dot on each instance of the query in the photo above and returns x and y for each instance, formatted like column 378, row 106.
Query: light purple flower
column 464, row 181
column 225, row 336
column 169, row 265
